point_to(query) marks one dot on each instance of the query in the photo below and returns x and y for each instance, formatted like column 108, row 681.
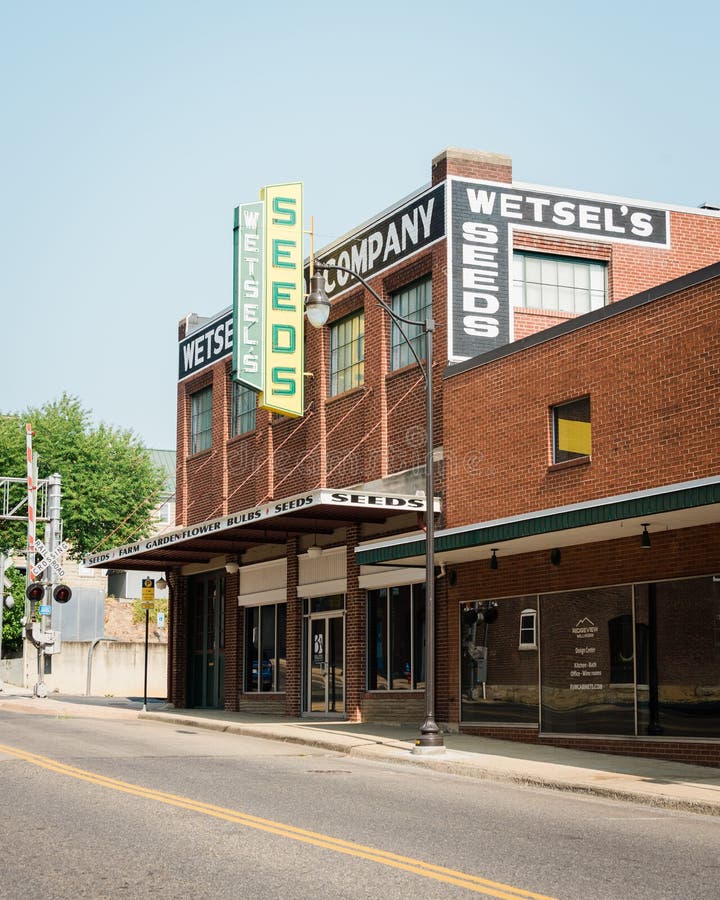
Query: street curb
column 380, row 750
column 377, row 749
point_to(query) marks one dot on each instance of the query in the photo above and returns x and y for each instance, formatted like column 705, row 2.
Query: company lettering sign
column 402, row 233
column 248, row 297
column 325, row 497
column 481, row 217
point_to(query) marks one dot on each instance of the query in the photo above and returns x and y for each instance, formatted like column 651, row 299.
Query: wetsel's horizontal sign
column 401, row 233
column 324, row 497
column 205, row 346
column 482, row 216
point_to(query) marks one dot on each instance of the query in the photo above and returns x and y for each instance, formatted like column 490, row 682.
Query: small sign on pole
column 148, row 592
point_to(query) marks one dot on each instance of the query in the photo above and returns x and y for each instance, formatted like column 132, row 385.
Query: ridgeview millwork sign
column 481, row 217
column 270, row 510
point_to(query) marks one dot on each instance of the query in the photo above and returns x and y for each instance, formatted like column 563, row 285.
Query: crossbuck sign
column 50, row 560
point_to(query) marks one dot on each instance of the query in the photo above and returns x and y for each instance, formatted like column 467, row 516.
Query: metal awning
column 315, row 512
column 683, row 505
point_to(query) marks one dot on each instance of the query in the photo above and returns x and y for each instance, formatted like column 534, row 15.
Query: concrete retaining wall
column 118, row 669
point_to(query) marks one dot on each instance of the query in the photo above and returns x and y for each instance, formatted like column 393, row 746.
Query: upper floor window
column 347, row 353
column 412, row 302
column 572, row 432
column 201, row 420
column 558, row 282
column 164, row 512
column 244, row 402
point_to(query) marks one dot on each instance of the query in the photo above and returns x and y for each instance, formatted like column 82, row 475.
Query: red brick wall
column 651, row 374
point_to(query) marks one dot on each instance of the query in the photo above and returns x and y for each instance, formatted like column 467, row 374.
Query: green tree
column 12, row 631
column 110, row 486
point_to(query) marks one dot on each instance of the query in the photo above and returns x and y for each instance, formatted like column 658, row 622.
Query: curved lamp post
column 317, row 310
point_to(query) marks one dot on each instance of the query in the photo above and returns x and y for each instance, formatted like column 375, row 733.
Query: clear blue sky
column 130, row 131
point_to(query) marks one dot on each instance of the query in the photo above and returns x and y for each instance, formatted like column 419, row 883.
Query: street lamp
column 317, row 310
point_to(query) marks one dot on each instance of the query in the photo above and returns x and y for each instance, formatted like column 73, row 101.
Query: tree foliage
column 110, row 486
column 12, row 631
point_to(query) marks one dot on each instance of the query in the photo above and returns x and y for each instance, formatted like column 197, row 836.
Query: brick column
column 233, row 643
column 293, row 677
column 177, row 640
column 355, row 632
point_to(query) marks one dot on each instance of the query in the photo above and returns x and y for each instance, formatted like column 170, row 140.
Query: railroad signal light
column 35, row 592
column 62, row 593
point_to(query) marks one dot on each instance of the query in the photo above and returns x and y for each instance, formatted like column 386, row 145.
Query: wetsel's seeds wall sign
column 481, row 217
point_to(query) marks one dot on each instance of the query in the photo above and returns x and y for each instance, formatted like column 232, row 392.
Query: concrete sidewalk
column 656, row 783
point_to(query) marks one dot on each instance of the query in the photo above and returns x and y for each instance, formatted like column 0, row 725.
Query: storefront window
column 681, row 694
column 499, row 676
column 639, row 659
column 396, row 638
column 580, row 633
column 265, row 653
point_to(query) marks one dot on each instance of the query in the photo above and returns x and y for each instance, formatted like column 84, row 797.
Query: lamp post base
column 430, row 741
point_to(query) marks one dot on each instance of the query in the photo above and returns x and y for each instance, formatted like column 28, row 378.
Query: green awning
column 644, row 504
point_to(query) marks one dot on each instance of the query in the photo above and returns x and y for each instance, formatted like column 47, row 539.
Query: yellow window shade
column 574, row 437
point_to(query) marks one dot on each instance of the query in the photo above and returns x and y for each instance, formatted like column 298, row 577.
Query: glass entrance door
column 326, row 665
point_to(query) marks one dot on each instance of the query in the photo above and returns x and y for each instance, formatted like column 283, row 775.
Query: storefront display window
column 396, row 638
column 265, row 654
column 682, row 695
column 499, row 677
column 578, row 694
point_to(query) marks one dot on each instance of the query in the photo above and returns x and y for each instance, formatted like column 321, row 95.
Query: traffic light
column 35, row 592
column 62, row 593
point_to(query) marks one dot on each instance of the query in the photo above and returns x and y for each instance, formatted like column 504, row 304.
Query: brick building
column 576, row 422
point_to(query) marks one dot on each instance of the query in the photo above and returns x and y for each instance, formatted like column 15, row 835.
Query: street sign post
column 148, row 603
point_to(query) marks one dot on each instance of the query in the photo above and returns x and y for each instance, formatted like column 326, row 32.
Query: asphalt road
column 131, row 808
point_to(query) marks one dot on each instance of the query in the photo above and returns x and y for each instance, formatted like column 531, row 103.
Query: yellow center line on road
column 383, row 857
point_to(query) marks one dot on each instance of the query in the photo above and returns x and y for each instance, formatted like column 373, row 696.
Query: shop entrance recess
column 207, row 641
column 325, row 658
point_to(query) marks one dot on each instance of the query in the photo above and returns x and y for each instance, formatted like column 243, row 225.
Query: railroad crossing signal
column 50, row 559
column 35, row 592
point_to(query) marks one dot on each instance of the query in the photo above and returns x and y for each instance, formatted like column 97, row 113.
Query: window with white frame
column 244, row 402
column 347, row 353
column 562, row 283
column 528, row 629
column 201, row 420
column 412, row 302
